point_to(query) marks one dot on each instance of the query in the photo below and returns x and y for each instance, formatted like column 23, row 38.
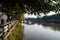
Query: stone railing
column 5, row 28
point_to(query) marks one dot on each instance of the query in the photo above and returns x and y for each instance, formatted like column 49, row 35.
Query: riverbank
column 17, row 33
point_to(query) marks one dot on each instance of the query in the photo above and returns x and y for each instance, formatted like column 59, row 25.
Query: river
column 43, row 31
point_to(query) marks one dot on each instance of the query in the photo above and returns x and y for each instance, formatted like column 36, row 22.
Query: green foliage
column 32, row 6
column 17, row 33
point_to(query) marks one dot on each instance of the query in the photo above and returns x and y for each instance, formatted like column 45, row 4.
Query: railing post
column 8, row 27
column 2, row 29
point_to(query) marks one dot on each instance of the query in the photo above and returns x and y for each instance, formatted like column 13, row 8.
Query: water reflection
column 51, row 25
column 42, row 31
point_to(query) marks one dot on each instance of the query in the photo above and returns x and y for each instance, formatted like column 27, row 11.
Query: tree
column 13, row 7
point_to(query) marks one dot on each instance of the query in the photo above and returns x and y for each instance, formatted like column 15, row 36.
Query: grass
column 17, row 33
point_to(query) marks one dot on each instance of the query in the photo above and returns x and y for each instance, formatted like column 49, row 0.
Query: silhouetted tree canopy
column 17, row 7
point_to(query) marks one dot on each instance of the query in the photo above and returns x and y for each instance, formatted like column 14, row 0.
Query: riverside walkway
column 6, row 28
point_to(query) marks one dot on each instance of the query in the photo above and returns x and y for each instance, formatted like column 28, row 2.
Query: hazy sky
column 34, row 16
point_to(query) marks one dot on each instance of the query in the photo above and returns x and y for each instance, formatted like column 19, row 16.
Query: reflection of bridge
column 5, row 29
column 27, row 22
column 30, row 21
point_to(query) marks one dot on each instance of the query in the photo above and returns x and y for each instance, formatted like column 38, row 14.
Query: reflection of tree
column 52, row 25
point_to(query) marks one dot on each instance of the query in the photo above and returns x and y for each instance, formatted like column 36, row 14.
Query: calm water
column 43, row 31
